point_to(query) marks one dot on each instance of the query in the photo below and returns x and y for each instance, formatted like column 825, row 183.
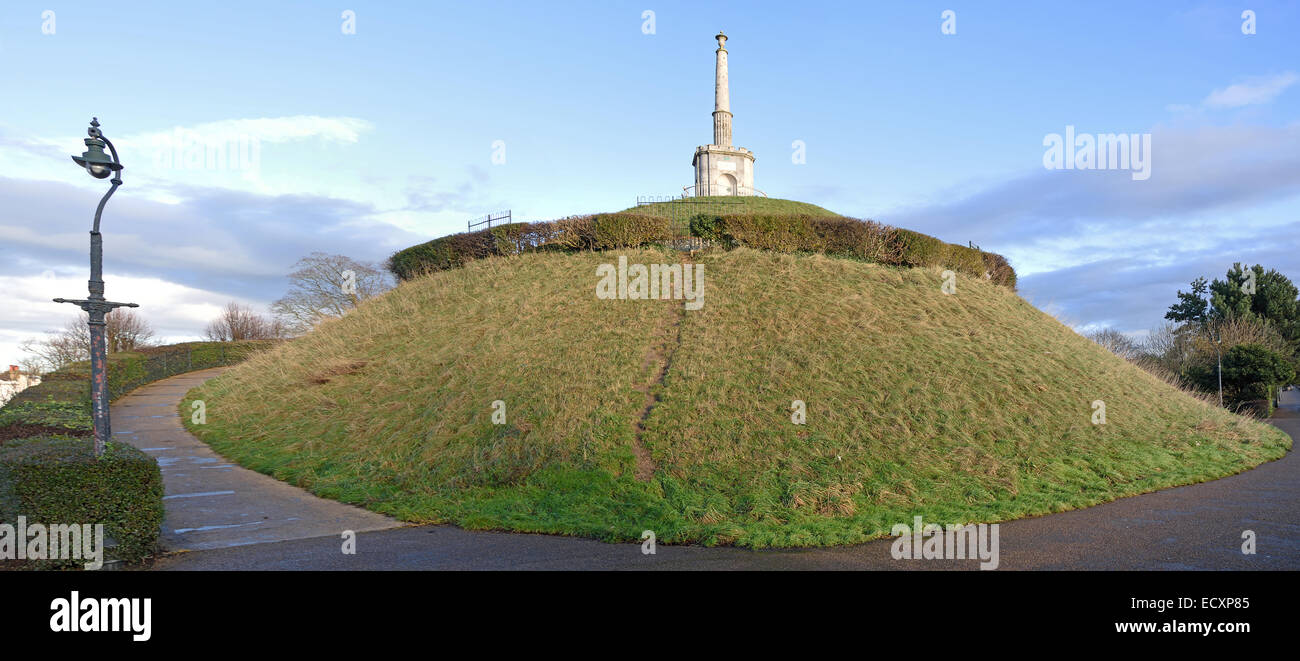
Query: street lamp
column 100, row 166
column 1217, row 339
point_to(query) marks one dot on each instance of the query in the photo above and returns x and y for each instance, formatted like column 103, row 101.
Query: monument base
column 723, row 171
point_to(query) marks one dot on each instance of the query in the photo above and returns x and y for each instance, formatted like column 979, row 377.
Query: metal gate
column 680, row 210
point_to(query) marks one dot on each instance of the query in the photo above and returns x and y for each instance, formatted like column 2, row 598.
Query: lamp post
column 1218, row 355
column 1217, row 339
column 100, row 166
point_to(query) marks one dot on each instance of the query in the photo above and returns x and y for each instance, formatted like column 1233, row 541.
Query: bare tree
column 1117, row 343
column 1170, row 346
column 1235, row 330
column 125, row 330
column 324, row 286
column 240, row 322
column 51, row 352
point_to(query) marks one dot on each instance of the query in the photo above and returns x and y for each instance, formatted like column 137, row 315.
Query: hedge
column 598, row 232
column 1259, row 408
column 52, row 480
column 832, row 235
column 47, row 470
column 999, row 270
column 61, row 401
column 916, row 249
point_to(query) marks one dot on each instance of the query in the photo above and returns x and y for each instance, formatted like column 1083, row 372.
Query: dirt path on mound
column 667, row 339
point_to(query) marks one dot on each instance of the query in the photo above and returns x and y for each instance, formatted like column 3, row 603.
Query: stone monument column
column 721, row 97
column 722, row 168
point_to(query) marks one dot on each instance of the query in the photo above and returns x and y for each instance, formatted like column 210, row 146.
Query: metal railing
column 704, row 190
column 487, row 220
column 680, row 209
column 184, row 358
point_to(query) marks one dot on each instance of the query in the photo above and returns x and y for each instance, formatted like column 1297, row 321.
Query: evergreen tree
column 1191, row 305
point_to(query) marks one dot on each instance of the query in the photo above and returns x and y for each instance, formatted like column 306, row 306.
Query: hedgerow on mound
column 730, row 222
column 964, row 407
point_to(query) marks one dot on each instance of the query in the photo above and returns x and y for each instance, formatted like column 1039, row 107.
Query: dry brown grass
column 962, row 408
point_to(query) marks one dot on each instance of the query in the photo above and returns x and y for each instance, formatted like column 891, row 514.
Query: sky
column 256, row 133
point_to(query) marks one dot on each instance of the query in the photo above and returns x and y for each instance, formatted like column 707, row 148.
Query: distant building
column 15, row 381
column 721, row 168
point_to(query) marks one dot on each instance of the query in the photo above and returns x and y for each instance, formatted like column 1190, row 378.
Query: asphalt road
column 1198, row 526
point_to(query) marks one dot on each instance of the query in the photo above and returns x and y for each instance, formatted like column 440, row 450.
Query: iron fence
column 130, row 374
column 706, row 190
column 680, row 209
column 487, row 220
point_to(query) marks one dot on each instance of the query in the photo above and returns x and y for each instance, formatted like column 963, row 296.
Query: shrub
column 441, row 254
column 627, row 230
column 999, row 270
column 52, row 480
column 830, row 234
column 916, row 249
column 516, row 238
column 572, row 233
column 707, row 226
column 1259, row 408
column 863, row 239
column 963, row 259
column 1253, row 372
column 65, row 416
column 600, row 232
column 776, row 233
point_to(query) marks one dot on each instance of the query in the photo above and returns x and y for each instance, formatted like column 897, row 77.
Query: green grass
column 740, row 204
column 683, row 209
column 963, row 408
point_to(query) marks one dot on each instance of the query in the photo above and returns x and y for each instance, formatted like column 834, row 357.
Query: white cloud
column 1255, row 90
column 263, row 129
column 262, row 155
column 176, row 312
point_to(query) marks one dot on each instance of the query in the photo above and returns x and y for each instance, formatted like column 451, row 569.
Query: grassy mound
column 630, row 415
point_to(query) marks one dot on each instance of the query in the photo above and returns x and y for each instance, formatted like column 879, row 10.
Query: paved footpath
column 210, row 503
column 1197, row 526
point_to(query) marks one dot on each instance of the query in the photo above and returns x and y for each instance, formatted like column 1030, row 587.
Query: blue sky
column 373, row 141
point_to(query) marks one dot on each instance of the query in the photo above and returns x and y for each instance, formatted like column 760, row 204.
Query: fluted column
column 721, row 97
